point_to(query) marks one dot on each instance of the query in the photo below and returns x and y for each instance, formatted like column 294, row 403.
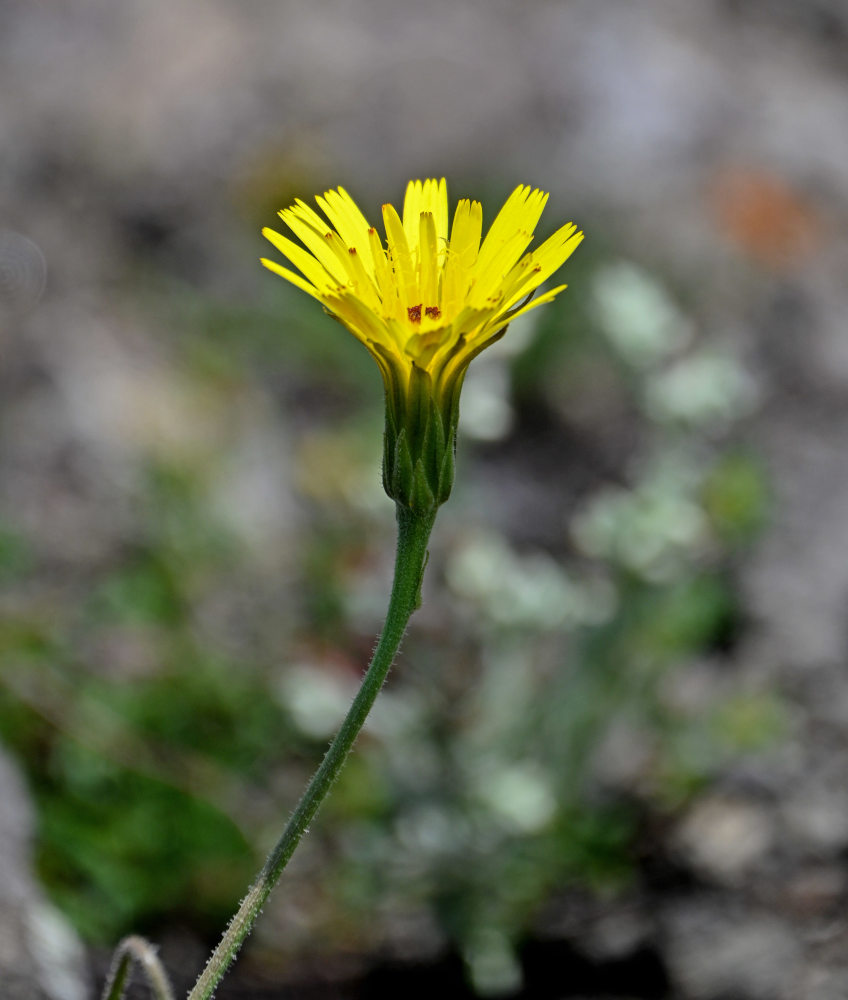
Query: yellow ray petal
column 466, row 231
column 428, row 261
column 361, row 321
column 545, row 260
column 488, row 276
column 314, row 240
column 349, row 222
column 412, row 208
column 291, row 276
column 383, row 275
column 539, row 300
column 304, row 261
column 400, row 258
column 434, row 199
column 337, row 246
column 461, row 254
column 520, row 213
column 556, row 250
column 363, row 281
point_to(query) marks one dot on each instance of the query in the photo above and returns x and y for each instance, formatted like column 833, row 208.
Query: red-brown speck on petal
column 414, row 313
column 434, row 312
column 352, row 250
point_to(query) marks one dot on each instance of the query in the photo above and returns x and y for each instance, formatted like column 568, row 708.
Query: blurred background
column 613, row 758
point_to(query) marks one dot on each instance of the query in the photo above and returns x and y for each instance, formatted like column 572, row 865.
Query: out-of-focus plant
column 153, row 772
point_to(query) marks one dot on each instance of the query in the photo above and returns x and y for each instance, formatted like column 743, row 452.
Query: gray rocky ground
column 40, row 957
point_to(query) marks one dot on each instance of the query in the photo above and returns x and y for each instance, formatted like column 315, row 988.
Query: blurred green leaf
column 736, row 498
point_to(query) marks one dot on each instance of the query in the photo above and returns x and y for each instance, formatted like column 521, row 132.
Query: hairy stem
column 413, row 535
column 136, row 950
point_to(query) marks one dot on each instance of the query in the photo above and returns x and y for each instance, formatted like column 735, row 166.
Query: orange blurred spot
column 765, row 217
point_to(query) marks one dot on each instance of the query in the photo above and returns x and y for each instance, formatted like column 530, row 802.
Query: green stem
column 136, row 949
column 413, row 535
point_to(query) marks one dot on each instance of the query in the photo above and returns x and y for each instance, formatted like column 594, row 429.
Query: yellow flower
column 424, row 305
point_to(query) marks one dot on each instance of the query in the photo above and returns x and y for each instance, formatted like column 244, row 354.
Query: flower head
column 424, row 304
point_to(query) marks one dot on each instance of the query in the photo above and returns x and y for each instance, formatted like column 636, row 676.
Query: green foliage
column 16, row 559
column 134, row 776
column 735, row 497
column 102, row 825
